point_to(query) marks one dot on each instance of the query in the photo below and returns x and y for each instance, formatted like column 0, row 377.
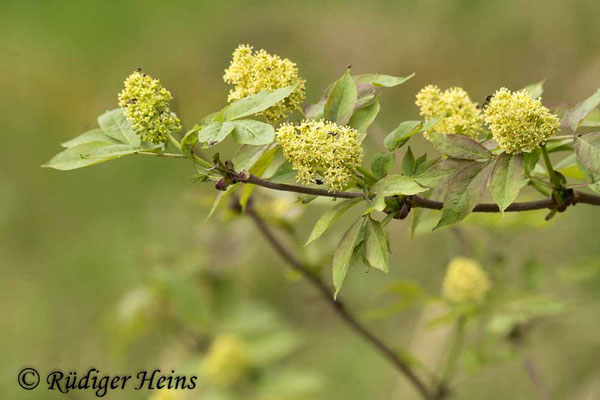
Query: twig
column 415, row 201
column 338, row 306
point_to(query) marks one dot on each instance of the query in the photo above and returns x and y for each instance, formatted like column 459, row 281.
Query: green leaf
column 592, row 120
column 382, row 79
column 343, row 254
column 574, row 116
column 329, row 217
column 382, row 163
column 530, row 160
column 115, row 124
column 215, row 132
column 219, row 199
column 256, row 103
column 459, row 146
column 258, row 169
column 408, row 163
column 377, row 203
column 507, row 179
column 464, row 191
column 364, row 117
column 399, row 136
column 284, row 173
column 113, row 151
column 394, row 185
column 341, row 100
column 440, row 172
column 365, row 95
column 376, row 246
column 95, row 135
column 246, row 156
column 72, row 158
column 247, row 131
column 587, row 149
column 535, row 90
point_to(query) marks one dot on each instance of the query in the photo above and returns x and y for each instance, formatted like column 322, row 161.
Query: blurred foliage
column 77, row 250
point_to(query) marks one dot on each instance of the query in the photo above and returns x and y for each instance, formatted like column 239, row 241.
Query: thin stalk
column 553, row 177
column 455, row 350
column 367, row 174
column 165, row 155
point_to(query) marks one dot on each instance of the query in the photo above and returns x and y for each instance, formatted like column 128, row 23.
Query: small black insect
column 486, row 102
column 319, row 181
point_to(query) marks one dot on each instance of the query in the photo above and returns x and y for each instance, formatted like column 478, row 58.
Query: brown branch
column 338, row 306
column 415, row 201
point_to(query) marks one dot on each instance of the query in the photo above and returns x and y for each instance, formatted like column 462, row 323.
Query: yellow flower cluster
column 146, row 106
column 462, row 116
column 465, row 281
column 518, row 122
column 166, row 394
column 227, row 361
column 321, row 151
column 254, row 72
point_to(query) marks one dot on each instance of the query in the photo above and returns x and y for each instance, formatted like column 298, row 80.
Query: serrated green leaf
column 382, row 163
column 530, row 160
column 377, row 203
column 507, row 179
column 341, row 100
column 382, row 79
column 115, row 124
column 214, row 132
column 464, row 191
column 408, row 163
column 246, row 156
column 363, row 118
column 535, row 90
column 399, row 136
column 72, row 158
column 258, row 169
column 219, row 199
column 284, row 173
column 459, row 146
column 375, row 246
column 440, row 172
column 343, row 254
column 587, row 149
column 247, row 131
column 113, row 151
column 393, row 185
column 574, row 116
column 329, row 217
column 95, row 135
column 592, row 120
column 256, row 103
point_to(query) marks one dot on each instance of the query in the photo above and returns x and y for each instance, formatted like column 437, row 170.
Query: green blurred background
column 73, row 244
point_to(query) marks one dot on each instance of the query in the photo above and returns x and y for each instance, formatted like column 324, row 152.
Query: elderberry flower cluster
column 465, row 281
column 227, row 360
column 146, row 105
column 518, row 122
column 253, row 72
column 321, row 151
column 461, row 115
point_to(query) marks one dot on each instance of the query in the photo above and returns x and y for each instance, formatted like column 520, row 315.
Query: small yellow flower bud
column 166, row 394
column 227, row 361
column 252, row 73
column 321, row 151
column 462, row 116
column 518, row 122
column 465, row 281
column 146, row 106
